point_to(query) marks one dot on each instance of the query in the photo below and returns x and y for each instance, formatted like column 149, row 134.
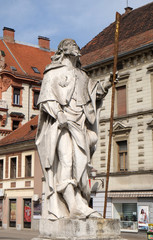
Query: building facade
column 20, row 179
column 130, row 195
column 21, row 73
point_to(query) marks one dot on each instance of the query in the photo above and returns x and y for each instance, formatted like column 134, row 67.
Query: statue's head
column 66, row 47
column 69, row 47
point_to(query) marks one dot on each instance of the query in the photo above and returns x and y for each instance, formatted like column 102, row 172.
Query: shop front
column 135, row 210
column 1, row 211
column 127, row 213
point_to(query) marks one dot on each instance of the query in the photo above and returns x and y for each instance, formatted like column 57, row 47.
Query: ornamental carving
column 6, row 82
column 120, row 128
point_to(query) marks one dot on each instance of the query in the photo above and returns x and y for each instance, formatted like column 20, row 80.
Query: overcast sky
column 81, row 20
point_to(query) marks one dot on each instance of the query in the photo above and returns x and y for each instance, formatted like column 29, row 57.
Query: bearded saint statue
column 69, row 104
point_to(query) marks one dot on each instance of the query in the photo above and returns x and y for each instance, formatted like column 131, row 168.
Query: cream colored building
column 131, row 172
column 20, row 179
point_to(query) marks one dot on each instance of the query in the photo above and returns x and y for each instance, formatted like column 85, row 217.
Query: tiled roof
column 24, row 57
column 136, row 30
column 24, row 133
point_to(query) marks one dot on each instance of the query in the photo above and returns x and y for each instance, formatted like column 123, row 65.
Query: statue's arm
column 51, row 107
column 102, row 88
column 54, row 109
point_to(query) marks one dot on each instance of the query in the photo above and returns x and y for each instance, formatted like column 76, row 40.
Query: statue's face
column 71, row 48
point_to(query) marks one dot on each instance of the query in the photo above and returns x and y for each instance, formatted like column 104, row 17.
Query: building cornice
column 116, row 118
column 18, row 147
column 120, row 55
column 32, row 79
column 125, row 173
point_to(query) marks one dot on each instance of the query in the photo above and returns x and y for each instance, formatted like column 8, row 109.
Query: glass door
column 12, row 217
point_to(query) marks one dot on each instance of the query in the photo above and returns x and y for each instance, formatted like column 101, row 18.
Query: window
column 35, row 70
column 28, row 166
column 35, row 99
column 13, row 167
column 1, row 168
column 122, row 156
column 127, row 213
column 16, row 96
column 13, row 68
column 121, row 100
column 15, row 124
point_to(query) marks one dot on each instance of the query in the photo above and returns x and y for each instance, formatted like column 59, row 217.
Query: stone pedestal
column 76, row 229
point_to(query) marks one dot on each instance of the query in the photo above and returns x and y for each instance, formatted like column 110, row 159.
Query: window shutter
column 121, row 100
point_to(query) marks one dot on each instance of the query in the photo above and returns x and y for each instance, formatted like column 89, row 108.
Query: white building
column 131, row 171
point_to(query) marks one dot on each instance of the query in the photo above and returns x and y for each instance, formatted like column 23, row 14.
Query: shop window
column 37, row 209
column 12, row 217
column 13, row 162
column 127, row 213
column 122, row 156
column 91, row 203
column 15, row 124
column 1, row 212
column 28, row 162
column 27, row 213
column 35, row 99
column 1, row 168
column 121, row 100
column 16, row 96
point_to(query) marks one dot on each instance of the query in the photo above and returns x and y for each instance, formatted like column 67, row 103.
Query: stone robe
column 74, row 93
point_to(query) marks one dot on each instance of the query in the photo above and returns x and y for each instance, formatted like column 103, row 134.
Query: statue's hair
column 59, row 54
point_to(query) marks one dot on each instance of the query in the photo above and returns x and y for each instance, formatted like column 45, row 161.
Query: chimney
column 8, row 34
column 128, row 9
column 44, row 42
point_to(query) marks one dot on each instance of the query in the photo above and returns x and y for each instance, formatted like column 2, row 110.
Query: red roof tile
column 23, row 57
column 136, row 30
column 24, row 133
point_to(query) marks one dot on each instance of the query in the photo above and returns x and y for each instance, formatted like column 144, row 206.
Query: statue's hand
column 116, row 77
column 108, row 83
column 62, row 120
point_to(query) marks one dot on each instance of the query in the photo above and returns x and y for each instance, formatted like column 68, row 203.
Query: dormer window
column 13, row 68
column 35, row 70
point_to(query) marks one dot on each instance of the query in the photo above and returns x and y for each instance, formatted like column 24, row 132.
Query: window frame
column 19, row 101
column 25, row 173
column 120, row 133
column 14, row 120
column 125, row 98
column 12, row 177
column 35, row 69
column 123, row 81
column 125, row 157
column 35, row 91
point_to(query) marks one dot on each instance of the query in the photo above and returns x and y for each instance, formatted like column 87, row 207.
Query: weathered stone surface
column 85, row 229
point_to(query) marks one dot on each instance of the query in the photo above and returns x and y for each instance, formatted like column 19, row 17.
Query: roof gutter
column 120, row 55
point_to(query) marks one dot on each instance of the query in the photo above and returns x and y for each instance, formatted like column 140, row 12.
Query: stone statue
column 69, row 104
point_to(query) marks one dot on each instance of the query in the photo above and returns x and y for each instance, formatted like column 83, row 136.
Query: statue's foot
column 83, row 213
column 95, row 215
column 77, row 213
